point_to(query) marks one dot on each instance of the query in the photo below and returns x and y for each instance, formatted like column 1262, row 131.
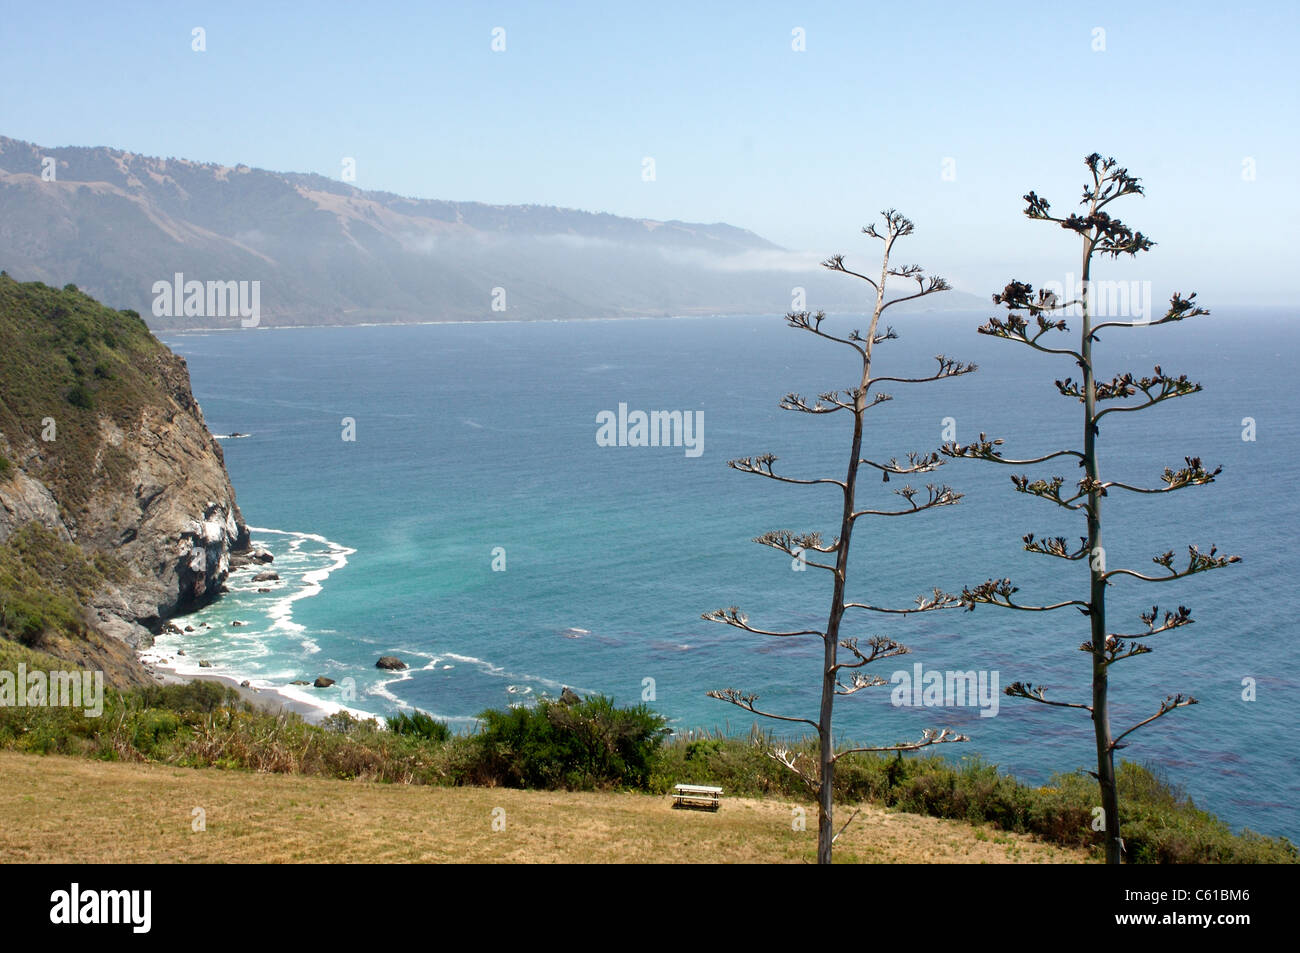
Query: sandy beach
column 268, row 699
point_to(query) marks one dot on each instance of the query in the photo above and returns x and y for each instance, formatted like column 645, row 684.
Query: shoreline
column 164, row 666
column 446, row 321
column 693, row 316
column 269, row 698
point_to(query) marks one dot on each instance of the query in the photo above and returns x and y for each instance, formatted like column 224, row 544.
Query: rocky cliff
column 103, row 445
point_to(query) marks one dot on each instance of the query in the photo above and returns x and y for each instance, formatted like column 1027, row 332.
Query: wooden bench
column 697, row 795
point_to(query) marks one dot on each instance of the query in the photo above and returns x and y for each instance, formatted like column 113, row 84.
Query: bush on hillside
column 593, row 744
column 417, row 724
column 579, row 745
column 196, row 696
column 79, row 396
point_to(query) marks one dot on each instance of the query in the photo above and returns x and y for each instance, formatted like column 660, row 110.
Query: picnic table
column 697, row 795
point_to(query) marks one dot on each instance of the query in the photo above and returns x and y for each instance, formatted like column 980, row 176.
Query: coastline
column 447, row 321
column 690, row 316
column 269, row 698
column 164, row 664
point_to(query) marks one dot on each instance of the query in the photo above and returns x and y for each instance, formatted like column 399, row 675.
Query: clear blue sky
column 801, row 147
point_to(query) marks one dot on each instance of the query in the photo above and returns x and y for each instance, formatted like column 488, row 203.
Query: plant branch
column 1170, row 703
column 938, row 600
column 1196, row 562
column 732, row 616
column 746, row 701
column 929, row 736
column 937, row 496
column 762, row 466
column 998, row 592
column 1038, row 693
column 985, row 449
column 1180, row 308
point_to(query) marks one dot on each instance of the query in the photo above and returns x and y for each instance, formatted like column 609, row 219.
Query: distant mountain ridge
column 321, row 251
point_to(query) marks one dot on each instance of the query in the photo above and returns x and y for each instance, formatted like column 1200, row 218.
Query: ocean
column 476, row 528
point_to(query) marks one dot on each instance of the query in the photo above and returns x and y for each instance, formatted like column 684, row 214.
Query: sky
column 948, row 111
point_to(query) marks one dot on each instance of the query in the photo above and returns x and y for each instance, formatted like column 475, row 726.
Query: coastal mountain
column 123, row 226
column 116, row 511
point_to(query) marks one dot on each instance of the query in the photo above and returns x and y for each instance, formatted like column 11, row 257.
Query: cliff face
column 102, row 443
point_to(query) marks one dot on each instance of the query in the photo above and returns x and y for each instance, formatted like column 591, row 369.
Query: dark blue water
column 473, row 437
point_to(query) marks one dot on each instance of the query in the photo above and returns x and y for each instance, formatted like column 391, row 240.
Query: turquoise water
column 474, row 437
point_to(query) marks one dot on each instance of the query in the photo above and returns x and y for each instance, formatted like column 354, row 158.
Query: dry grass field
column 59, row 809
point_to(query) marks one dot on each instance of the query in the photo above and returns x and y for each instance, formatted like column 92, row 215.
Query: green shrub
column 419, row 725
column 43, row 583
column 349, row 725
column 701, row 749
column 195, row 696
column 1161, row 825
column 79, row 396
column 582, row 745
column 152, row 727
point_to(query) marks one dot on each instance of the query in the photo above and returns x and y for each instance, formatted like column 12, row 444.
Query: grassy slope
column 65, row 356
column 60, row 809
column 194, row 726
column 44, row 582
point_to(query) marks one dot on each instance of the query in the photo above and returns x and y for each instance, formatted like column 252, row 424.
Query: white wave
column 238, row 652
column 382, row 690
column 499, row 672
column 241, row 647
column 281, row 611
column 322, row 706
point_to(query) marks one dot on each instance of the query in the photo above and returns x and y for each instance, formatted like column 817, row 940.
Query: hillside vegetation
column 45, row 584
column 116, row 511
column 68, row 361
column 594, row 746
